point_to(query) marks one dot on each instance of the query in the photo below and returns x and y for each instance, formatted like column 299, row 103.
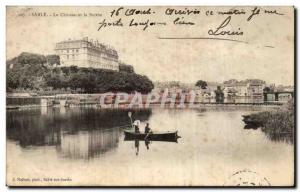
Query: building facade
column 246, row 88
column 87, row 53
column 256, row 87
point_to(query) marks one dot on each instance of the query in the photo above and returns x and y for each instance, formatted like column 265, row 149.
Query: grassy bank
column 277, row 124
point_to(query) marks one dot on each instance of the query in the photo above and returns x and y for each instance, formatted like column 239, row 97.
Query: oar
column 129, row 115
column 147, row 135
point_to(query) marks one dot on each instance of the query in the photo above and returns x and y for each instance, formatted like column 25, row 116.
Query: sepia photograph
column 150, row 96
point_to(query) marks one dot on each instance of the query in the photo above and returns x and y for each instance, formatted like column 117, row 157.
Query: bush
column 278, row 125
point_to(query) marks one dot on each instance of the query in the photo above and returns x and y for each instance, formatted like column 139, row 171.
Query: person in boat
column 136, row 129
column 147, row 128
column 147, row 131
column 136, row 126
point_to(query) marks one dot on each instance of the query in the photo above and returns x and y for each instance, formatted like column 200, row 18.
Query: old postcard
column 150, row 96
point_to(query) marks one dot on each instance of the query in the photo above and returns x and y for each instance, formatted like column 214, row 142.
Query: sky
column 267, row 55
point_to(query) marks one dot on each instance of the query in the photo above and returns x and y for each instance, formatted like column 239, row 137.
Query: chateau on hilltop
column 87, row 53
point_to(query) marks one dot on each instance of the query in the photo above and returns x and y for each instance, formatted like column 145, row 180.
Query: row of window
column 96, row 60
column 70, row 51
column 93, row 58
column 69, row 56
column 96, row 54
column 90, row 56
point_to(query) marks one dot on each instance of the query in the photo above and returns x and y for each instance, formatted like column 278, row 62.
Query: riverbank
column 152, row 105
column 278, row 124
column 122, row 100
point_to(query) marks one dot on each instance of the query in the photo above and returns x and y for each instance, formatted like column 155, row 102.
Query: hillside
column 33, row 72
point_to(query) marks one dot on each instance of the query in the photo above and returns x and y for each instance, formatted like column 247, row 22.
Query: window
column 67, row 56
column 77, row 50
column 68, row 51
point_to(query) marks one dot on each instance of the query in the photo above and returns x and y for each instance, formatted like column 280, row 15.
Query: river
column 85, row 146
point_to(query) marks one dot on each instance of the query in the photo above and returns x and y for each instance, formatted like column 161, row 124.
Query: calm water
column 86, row 146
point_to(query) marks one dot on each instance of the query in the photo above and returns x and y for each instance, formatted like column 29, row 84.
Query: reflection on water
column 273, row 136
column 76, row 133
column 87, row 132
column 137, row 145
column 279, row 137
column 89, row 142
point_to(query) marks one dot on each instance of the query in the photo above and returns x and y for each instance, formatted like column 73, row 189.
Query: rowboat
column 167, row 136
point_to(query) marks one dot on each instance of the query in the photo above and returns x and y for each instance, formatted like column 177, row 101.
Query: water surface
column 86, row 146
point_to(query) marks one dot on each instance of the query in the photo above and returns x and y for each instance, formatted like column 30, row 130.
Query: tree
column 88, row 83
column 12, row 80
column 53, row 59
column 30, row 73
column 126, row 68
column 54, row 81
column 201, row 84
column 267, row 90
column 219, row 95
column 73, row 69
column 75, row 80
column 31, row 58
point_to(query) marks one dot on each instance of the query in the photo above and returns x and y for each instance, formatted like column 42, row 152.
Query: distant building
column 209, row 91
column 282, row 88
column 285, row 97
column 256, row 87
column 87, row 53
column 285, row 93
column 245, row 88
column 234, row 88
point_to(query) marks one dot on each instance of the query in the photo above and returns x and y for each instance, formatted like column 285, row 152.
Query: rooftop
column 253, row 82
column 92, row 44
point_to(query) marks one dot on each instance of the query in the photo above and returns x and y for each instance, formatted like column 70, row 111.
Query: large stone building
column 87, row 53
